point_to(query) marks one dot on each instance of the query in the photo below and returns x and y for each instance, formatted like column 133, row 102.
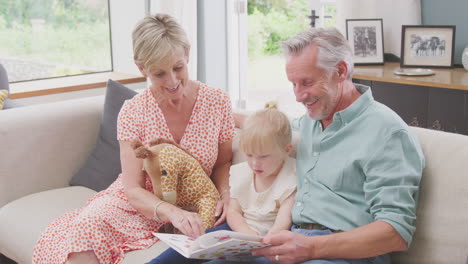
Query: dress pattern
column 108, row 224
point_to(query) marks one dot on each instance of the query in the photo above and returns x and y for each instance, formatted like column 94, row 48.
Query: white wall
column 212, row 43
column 124, row 15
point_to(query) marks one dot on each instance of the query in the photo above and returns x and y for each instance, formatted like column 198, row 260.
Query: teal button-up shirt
column 366, row 166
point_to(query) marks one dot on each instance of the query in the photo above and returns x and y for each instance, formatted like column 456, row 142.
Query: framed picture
column 365, row 36
column 427, row 46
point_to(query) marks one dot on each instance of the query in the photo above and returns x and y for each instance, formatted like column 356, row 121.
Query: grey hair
column 332, row 48
column 156, row 38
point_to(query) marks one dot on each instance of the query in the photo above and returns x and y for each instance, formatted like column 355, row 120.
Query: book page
column 228, row 249
column 209, row 239
column 181, row 243
column 220, row 244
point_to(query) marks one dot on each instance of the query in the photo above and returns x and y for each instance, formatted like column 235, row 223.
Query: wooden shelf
column 456, row 78
column 70, row 83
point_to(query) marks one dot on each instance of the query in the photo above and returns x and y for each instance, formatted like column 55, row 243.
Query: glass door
column 269, row 23
column 257, row 66
column 323, row 13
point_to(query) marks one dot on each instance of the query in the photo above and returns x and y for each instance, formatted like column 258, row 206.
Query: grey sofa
column 43, row 146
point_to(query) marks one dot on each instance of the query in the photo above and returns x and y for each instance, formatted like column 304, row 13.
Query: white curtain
column 394, row 14
column 185, row 12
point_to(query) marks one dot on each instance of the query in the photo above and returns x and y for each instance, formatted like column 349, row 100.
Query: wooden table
column 438, row 101
column 455, row 78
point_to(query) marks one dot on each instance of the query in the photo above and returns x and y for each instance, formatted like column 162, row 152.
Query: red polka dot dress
column 108, row 224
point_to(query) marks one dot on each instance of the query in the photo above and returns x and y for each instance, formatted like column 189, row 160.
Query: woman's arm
column 220, row 178
column 145, row 202
column 236, row 220
column 134, row 181
column 239, row 119
column 283, row 219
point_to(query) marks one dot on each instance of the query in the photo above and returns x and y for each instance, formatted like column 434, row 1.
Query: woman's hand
column 221, row 208
column 189, row 223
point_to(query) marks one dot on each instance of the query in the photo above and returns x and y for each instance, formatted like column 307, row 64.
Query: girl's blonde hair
column 156, row 38
column 265, row 131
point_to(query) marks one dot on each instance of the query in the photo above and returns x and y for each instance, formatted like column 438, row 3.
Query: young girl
column 262, row 188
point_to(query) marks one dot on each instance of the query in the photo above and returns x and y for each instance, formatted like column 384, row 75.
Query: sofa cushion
column 22, row 221
column 144, row 256
column 3, row 96
column 103, row 165
column 441, row 231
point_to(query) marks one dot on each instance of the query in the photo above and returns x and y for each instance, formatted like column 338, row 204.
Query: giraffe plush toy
column 178, row 178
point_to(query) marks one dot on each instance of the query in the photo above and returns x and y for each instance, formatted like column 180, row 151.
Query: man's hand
column 287, row 247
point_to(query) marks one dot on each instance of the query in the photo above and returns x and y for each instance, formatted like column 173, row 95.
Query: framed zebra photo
column 427, row 46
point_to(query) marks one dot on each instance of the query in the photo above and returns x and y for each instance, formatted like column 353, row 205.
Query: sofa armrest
column 43, row 146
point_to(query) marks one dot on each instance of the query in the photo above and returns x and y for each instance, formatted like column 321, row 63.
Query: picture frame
column 365, row 36
column 427, row 46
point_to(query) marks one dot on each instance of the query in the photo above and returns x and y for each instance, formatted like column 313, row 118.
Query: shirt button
column 315, row 154
column 298, row 204
column 305, row 180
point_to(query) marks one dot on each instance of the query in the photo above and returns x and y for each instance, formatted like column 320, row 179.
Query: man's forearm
column 371, row 240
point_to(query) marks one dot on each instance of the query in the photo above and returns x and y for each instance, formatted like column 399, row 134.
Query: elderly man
column 358, row 165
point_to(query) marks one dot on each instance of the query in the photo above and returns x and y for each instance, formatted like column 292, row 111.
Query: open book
column 221, row 244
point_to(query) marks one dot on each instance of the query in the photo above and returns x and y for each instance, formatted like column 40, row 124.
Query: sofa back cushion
column 103, row 164
column 441, row 226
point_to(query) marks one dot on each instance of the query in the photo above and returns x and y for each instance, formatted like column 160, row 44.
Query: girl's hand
column 221, row 208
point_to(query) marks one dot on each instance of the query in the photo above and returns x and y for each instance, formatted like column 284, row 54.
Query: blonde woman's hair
column 156, row 38
column 265, row 131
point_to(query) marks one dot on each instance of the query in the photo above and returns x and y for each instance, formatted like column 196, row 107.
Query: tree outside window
column 54, row 38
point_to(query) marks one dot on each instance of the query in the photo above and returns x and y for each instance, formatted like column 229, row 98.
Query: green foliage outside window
column 67, row 36
column 273, row 21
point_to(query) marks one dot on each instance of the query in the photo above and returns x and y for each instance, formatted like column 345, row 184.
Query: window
column 54, row 38
column 267, row 23
column 325, row 11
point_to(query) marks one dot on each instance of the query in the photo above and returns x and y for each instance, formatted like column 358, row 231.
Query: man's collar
column 357, row 107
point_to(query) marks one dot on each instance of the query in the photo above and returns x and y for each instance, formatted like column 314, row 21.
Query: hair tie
column 270, row 106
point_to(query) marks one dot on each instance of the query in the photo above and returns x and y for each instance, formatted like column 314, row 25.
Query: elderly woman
column 190, row 113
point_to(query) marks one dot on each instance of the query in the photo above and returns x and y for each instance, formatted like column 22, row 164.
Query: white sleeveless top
column 260, row 208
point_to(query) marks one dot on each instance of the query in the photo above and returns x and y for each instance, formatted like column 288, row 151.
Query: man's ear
column 140, row 68
column 342, row 70
column 288, row 149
